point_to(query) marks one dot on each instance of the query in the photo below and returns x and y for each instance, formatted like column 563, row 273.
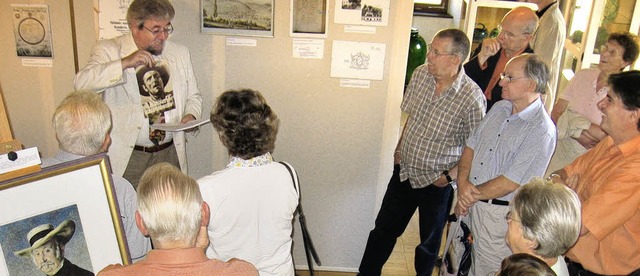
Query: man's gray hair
column 549, row 214
column 537, row 70
column 170, row 204
column 82, row 122
column 141, row 10
column 460, row 44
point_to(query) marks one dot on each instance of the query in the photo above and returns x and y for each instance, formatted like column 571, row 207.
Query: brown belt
column 154, row 148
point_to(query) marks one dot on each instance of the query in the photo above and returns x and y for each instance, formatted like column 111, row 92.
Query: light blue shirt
column 517, row 146
column 127, row 200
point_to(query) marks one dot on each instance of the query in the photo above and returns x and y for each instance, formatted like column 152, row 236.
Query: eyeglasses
column 509, row 217
column 611, row 52
column 156, row 31
column 435, row 52
column 508, row 34
column 508, row 78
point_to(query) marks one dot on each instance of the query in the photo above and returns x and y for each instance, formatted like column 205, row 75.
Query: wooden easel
column 8, row 144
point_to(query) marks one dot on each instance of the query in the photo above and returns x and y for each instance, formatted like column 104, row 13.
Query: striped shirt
column 518, row 146
column 438, row 126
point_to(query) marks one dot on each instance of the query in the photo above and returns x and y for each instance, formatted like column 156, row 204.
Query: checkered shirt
column 438, row 126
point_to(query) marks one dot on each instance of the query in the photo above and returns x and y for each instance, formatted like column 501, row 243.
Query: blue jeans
column 399, row 204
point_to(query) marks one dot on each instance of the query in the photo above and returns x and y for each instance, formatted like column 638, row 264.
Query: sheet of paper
column 181, row 127
column 25, row 158
column 308, row 48
column 357, row 60
column 112, row 18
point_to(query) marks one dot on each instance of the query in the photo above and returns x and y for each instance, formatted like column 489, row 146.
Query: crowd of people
column 479, row 139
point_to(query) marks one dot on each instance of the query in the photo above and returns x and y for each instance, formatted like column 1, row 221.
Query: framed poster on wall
column 237, row 17
column 309, row 18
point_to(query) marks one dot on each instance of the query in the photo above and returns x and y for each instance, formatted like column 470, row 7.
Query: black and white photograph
column 238, row 17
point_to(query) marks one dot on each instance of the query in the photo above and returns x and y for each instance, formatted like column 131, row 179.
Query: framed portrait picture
column 65, row 213
column 309, row 18
column 237, row 17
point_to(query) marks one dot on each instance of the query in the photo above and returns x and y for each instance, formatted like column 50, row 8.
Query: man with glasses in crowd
column 112, row 71
column 490, row 57
column 512, row 145
column 443, row 105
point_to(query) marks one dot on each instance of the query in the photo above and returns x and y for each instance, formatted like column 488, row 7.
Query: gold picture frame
column 80, row 191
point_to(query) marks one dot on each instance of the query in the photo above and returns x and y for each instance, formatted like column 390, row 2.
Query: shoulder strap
column 294, row 178
column 309, row 249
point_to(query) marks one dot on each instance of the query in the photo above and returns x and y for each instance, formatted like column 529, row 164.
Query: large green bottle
column 417, row 53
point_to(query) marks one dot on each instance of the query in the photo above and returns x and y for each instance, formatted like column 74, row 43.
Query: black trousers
column 399, row 204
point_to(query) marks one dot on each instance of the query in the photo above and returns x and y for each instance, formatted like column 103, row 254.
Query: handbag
column 309, row 249
column 457, row 253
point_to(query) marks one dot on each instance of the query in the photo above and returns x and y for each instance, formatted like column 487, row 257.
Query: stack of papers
column 179, row 126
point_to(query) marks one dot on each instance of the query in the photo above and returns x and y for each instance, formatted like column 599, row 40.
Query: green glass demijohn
column 417, row 53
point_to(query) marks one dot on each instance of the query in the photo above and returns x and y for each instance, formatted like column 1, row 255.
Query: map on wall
column 112, row 18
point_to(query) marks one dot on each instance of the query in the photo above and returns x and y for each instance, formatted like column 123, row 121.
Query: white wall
column 340, row 139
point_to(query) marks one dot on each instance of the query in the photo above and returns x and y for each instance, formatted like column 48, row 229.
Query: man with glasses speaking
column 490, row 57
column 443, row 106
column 112, row 71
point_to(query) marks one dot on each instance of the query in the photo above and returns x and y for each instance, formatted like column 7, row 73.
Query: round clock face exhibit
column 31, row 30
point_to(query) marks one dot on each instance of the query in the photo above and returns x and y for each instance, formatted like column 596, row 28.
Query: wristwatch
column 446, row 174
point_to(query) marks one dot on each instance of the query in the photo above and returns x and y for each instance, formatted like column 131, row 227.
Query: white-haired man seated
column 82, row 123
column 171, row 211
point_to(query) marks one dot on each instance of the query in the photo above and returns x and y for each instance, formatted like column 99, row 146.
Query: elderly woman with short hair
column 253, row 199
column 544, row 221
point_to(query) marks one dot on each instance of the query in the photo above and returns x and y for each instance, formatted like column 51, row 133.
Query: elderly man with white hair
column 511, row 146
column 544, row 221
column 171, row 211
column 82, row 123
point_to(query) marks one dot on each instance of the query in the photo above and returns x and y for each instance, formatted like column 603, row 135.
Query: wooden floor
column 400, row 262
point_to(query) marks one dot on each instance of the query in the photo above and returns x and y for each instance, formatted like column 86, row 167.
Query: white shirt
column 252, row 207
column 560, row 268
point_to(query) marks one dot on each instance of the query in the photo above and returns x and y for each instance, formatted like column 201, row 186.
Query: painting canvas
column 237, row 17
column 72, row 203
column 13, row 240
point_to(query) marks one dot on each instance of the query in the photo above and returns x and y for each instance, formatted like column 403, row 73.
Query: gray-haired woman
column 253, row 199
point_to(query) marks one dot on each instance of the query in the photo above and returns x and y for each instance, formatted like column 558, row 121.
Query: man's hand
column 467, row 193
column 187, row 118
column 490, row 47
column 136, row 59
column 467, row 196
column 460, row 210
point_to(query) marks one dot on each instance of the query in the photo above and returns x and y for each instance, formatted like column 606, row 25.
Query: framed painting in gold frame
column 73, row 203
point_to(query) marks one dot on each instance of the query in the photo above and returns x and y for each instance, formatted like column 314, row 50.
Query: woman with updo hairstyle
column 253, row 199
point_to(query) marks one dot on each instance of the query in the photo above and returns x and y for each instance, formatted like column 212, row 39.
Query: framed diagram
column 309, row 18
column 70, row 209
column 237, row 17
column 32, row 30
